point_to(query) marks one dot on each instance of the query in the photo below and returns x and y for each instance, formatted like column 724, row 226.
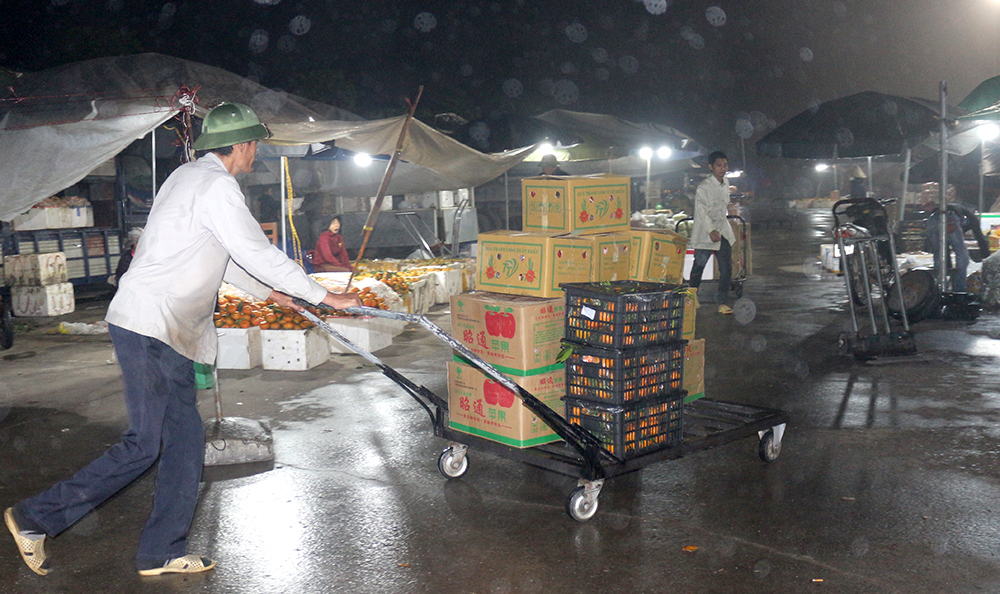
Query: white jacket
column 199, row 233
column 710, row 202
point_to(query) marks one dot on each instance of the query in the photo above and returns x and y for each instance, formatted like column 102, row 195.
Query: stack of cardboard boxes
column 576, row 229
column 39, row 284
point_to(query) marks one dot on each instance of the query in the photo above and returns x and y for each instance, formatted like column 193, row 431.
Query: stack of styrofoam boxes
column 39, row 284
column 624, row 378
column 520, row 337
column 294, row 350
column 239, row 348
column 447, row 282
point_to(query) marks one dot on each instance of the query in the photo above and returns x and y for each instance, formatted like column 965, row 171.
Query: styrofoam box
column 35, row 269
column 371, row 334
column 449, row 282
column 239, row 348
column 81, row 216
column 293, row 350
column 423, row 295
column 829, row 254
column 709, row 272
column 50, row 300
column 43, row 218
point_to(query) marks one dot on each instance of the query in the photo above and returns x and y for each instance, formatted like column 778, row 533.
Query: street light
column 362, row 159
column 646, row 153
column 986, row 132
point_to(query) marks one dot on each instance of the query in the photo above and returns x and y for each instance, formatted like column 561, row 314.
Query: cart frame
column 707, row 424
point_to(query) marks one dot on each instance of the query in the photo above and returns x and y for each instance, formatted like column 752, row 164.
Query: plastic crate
column 623, row 314
column 627, row 431
column 622, row 377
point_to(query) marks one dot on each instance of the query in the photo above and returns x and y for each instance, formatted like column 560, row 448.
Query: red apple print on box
column 491, row 390
column 508, row 325
column 492, row 323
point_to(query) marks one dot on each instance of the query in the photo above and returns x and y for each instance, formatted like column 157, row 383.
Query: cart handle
column 589, row 446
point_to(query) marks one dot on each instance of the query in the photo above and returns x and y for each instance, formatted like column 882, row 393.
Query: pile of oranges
column 239, row 313
column 396, row 281
column 236, row 312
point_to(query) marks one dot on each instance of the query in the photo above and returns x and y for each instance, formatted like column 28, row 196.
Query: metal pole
column 982, row 157
column 506, row 202
column 943, row 210
column 153, row 136
column 648, row 164
column 871, row 188
column 906, row 184
column 743, row 151
column 284, row 198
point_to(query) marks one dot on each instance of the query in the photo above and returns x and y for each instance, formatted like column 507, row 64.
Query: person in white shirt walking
column 711, row 233
column 199, row 233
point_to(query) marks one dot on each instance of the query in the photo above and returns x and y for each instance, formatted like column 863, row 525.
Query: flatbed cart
column 706, row 424
column 741, row 272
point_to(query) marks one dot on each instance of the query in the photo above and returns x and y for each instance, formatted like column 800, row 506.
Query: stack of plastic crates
column 624, row 377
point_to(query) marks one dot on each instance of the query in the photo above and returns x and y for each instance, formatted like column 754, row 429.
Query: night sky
column 709, row 68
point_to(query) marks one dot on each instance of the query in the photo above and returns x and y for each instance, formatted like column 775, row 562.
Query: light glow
column 362, row 159
column 646, row 153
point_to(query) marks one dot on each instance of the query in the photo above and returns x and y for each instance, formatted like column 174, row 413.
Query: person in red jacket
column 330, row 254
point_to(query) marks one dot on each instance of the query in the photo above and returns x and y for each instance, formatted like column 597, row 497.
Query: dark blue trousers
column 163, row 423
column 724, row 256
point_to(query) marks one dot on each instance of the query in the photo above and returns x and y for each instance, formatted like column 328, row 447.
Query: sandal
column 185, row 564
column 32, row 551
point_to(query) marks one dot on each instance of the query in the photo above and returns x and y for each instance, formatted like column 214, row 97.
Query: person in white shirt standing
column 711, row 233
column 199, row 233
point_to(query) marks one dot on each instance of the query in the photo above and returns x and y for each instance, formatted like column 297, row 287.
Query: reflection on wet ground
column 887, row 481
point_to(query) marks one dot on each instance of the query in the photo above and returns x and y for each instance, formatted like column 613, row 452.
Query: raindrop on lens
column 576, row 32
column 466, row 69
column 602, row 74
column 388, row 26
column 286, row 43
column 425, row 22
column 168, row 10
column 656, row 6
column 565, row 92
column 744, row 310
column 806, row 54
column 599, row 54
column 844, row 137
column 761, row 569
column 567, row 68
column 512, row 88
column 629, row 64
column 268, row 2
column 258, row 41
column 716, row 16
column 697, row 42
column 687, row 33
column 269, row 102
column 480, row 132
column 300, row 25
column 744, row 129
column 758, row 343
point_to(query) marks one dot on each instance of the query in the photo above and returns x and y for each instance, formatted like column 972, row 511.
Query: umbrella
column 983, row 96
column 865, row 124
column 962, row 169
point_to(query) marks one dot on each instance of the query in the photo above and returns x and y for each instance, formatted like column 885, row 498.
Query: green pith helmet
column 229, row 124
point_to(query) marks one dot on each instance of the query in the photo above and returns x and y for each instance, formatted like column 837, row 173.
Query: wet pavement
column 888, row 479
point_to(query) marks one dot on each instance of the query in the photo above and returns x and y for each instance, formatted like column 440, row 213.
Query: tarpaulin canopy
column 57, row 125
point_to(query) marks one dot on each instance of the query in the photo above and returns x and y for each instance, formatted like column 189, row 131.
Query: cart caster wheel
column 453, row 464
column 768, row 449
column 580, row 506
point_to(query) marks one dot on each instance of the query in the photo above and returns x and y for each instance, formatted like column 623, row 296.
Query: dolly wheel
column 452, row 464
column 580, row 505
column 769, row 449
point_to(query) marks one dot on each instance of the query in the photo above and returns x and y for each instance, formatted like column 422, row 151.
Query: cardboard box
column 584, row 203
column 480, row 406
column 521, row 263
column 50, row 300
column 690, row 313
column 612, row 253
column 517, row 335
column 294, row 350
column 694, row 369
column 239, row 348
column 658, row 256
column 35, row 269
